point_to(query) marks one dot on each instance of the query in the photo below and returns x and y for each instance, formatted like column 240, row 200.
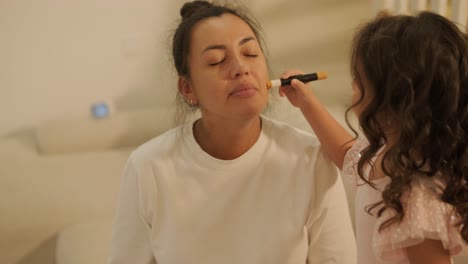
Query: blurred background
column 82, row 83
column 59, row 57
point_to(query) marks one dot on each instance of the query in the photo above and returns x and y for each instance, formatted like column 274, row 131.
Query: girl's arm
column 336, row 141
column 428, row 252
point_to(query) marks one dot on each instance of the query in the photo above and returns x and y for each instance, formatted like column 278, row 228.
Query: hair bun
column 189, row 8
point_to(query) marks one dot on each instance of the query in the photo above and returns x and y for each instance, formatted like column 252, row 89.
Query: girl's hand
column 298, row 93
column 335, row 140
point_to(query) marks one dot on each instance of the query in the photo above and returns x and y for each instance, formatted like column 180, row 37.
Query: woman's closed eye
column 251, row 50
column 217, row 62
column 251, row 55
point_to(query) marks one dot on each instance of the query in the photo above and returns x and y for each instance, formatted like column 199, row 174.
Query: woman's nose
column 239, row 67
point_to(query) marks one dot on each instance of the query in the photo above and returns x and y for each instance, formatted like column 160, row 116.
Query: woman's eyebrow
column 245, row 40
column 223, row 47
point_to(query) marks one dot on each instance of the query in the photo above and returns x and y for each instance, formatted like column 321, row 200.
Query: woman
column 232, row 186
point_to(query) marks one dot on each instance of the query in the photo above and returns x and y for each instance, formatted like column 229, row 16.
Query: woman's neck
column 227, row 139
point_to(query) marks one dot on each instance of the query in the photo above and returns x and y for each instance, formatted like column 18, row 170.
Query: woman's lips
column 244, row 91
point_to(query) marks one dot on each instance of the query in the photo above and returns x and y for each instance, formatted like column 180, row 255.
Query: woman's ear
column 185, row 88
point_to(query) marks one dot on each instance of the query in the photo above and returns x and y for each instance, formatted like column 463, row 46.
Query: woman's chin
column 251, row 110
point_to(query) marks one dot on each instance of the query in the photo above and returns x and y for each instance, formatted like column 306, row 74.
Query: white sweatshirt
column 281, row 202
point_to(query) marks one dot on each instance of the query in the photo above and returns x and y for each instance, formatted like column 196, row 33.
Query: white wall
column 59, row 56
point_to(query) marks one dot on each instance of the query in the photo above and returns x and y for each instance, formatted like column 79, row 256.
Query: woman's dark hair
column 192, row 13
column 416, row 73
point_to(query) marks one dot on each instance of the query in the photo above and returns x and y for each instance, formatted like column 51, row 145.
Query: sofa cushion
column 86, row 242
column 119, row 130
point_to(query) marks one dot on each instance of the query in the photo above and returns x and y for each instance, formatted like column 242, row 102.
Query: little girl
column 410, row 169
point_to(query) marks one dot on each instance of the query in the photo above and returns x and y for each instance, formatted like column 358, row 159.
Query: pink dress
column 426, row 217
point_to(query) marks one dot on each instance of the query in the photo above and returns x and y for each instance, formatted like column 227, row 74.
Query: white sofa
column 59, row 183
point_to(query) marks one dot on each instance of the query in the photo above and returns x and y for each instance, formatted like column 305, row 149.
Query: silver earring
column 192, row 103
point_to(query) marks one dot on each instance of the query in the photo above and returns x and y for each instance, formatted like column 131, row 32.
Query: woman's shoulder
column 304, row 145
column 280, row 130
column 158, row 146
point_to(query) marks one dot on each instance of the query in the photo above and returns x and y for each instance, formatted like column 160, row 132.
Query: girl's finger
column 296, row 84
column 284, row 90
column 289, row 73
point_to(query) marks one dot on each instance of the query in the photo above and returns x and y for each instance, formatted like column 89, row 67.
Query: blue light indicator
column 100, row 110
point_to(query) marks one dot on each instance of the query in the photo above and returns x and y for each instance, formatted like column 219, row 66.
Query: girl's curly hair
column 416, row 71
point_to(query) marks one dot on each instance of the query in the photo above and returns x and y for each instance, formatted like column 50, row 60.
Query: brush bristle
column 322, row 75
